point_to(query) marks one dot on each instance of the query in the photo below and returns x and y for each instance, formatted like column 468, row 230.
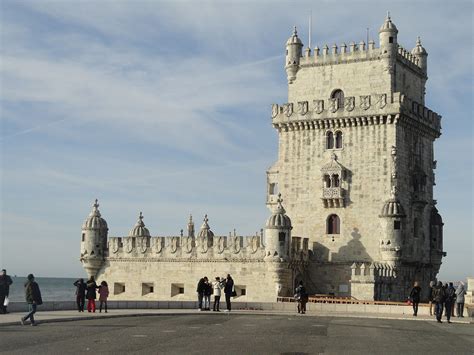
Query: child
column 103, row 294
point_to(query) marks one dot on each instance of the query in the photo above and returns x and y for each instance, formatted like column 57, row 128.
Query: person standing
column 33, row 298
column 438, row 299
column 103, row 295
column 460, row 292
column 217, row 286
column 415, row 297
column 80, row 294
column 301, row 297
column 91, row 294
column 200, row 292
column 430, row 296
column 5, row 282
column 449, row 301
column 228, row 291
column 207, row 294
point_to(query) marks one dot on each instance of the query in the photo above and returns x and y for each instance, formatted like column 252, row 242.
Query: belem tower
column 351, row 194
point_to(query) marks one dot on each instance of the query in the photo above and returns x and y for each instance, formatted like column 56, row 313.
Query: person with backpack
column 301, row 296
column 80, row 294
column 415, row 297
column 91, row 294
column 438, row 299
column 449, row 301
column 33, row 298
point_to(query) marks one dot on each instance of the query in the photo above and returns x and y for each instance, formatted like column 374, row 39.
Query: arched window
column 339, row 96
column 327, row 181
column 329, row 140
column 338, row 139
column 333, row 224
column 335, row 180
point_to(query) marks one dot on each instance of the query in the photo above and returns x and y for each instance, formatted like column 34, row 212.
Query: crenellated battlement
column 355, row 111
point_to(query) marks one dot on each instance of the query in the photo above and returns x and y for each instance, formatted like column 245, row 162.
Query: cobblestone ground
column 238, row 334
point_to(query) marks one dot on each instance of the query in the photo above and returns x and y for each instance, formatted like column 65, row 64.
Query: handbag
column 234, row 294
column 6, row 302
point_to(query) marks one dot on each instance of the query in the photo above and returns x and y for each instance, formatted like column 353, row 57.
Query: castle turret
column 191, row 227
column 278, row 234
column 205, row 236
column 420, row 53
column 294, row 48
column 393, row 225
column 388, row 37
column 94, row 241
column 139, row 230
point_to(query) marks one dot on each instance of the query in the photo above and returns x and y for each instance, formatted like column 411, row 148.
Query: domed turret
column 139, row 230
column 393, row 224
column 420, row 52
column 191, row 227
column 94, row 241
column 388, row 37
column 294, row 48
column 205, row 229
column 278, row 234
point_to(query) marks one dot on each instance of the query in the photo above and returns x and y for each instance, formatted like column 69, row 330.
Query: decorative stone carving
column 318, row 106
column 381, row 100
column 220, row 245
column 157, row 245
column 128, row 244
column 255, row 244
column 333, row 105
column 203, row 246
column 364, row 102
column 302, row 107
column 236, row 244
column 174, row 244
column 188, row 244
column 275, row 109
column 142, row 244
column 114, row 245
column 349, row 103
column 288, row 109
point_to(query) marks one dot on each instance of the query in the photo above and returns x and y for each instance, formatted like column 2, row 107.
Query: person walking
column 80, row 294
column 460, row 292
column 217, row 286
column 207, row 294
column 415, row 297
column 438, row 299
column 103, row 295
column 228, row 291
column 5, row 282
column 301, row 297
column 91, row 294
column 33, row 298
column 200, row 292
column 449, row 301
column 430, row 296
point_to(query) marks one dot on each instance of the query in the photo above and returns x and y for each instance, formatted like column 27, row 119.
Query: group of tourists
column 443, row 297
column 89, row 291
column 205, row 289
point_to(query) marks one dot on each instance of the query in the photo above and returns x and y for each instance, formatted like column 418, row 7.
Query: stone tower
column 94, row 241
column 356, row 166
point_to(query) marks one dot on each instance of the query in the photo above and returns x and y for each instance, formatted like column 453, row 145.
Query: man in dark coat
column 201, row 286
column 449, row 301
column 5, row 282
column 228, row 291
column 438, row 299
column 80, row 294
column 33, row 298
column 91, row 294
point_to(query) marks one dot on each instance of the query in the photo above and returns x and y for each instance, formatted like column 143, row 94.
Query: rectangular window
column 281, row 237
column 83, row 236
column 119, row 287
column 396, row 224
column 390, row 39
column 177, row 289
column 147, row 287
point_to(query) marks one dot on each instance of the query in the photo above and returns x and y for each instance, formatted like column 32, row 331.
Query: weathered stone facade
column 356, row 164
column 356, row 168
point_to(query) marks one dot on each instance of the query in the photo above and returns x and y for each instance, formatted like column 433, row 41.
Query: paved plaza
column 238, row 334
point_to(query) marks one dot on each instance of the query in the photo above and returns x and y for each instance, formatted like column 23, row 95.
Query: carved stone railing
column 333, row 197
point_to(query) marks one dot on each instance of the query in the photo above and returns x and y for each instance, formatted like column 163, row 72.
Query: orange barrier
column 346, row 300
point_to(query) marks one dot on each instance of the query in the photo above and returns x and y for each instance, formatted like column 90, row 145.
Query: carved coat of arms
column 365, row 102
column 381, row 100
column 349, row 103
column 333, row 105
column 288, row 109
column 174, row 244
column 220, row 245
column 275, row 109
column 114, row 245
column 128, row 244
column 157, row 245
column 318, row 106
column 142, row 244
column 303, row 107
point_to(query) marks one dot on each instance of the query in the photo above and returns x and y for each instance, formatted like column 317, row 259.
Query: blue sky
column 164, row 107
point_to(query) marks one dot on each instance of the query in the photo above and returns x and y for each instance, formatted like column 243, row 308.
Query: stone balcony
column 333, row 197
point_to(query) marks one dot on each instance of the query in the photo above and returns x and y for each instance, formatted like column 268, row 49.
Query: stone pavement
column 70, row 315
column 237, row 333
